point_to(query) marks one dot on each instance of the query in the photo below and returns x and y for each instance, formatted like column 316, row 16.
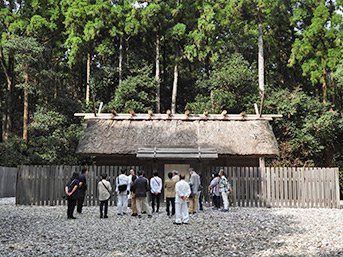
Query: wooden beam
column 168, row 115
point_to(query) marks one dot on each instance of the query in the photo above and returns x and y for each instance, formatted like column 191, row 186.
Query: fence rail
column 252, row 186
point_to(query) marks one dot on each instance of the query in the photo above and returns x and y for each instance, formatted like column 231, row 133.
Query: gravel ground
column 45, row 231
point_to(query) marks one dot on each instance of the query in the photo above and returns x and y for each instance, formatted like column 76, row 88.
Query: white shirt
column 182, row 188
column 156, row 184
column 122, row 180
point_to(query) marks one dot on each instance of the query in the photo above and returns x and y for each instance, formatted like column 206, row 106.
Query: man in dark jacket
column 82, row 189
column 141, row 186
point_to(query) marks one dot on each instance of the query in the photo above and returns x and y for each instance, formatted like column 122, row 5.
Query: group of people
column 135, row 188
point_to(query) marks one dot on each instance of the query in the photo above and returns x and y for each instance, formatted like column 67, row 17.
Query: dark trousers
column 71, row 207
column 216, row 201
column 80, row 203
column 170, row 201
column 157, row 199
column 200, row 201
column 102, row 205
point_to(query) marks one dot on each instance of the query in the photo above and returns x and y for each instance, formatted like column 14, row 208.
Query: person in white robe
column 182, row 192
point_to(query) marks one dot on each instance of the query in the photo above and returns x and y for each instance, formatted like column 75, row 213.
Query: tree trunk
column 260, row 58
column 334, row 92
column 174, row 93
column 88, row 77
column 212, row 101
column 120, row 65
column 324, row 86
column 7, row 119
column 157, row 75
column 26, row 109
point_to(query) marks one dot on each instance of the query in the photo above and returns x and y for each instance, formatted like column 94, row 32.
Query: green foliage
column 135, row 93
column 231, row 86
column 14, row 152
column 309, row 132
column 317, row 47
column 213, row 43
column 51, row 142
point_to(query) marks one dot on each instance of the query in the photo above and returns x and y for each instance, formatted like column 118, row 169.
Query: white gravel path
column 45, row 231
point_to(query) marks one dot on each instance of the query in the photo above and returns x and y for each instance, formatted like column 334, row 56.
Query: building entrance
column 181, row 168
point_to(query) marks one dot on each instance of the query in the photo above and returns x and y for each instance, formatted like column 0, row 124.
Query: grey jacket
column 215, row 186
column 195, row 182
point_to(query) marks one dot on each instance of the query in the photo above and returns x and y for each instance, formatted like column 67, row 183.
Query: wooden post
column 336, row 171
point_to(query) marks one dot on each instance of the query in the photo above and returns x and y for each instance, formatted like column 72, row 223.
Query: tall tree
column 155, row 19
column 26, row 52
column 84, row 22
column 318, row 46
column 6, row 18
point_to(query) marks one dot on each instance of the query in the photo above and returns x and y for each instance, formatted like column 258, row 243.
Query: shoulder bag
column 121, row 188
column 106, row 189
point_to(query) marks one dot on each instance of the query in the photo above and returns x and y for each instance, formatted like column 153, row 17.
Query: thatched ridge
column 124, row 137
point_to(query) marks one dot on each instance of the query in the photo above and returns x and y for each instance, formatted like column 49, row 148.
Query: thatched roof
column 228, row 137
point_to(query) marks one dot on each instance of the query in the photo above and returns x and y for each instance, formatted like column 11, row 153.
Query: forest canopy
column 59, row 57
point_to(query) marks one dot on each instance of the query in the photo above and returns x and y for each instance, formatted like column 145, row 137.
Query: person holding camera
column 104, row 190
column 122, row 185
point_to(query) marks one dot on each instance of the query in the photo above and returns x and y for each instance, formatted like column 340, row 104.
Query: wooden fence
column 284, row 187
column 252, row 186
column 45, row 185
column 8, row 179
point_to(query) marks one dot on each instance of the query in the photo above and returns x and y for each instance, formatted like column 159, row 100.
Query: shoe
column 224, row 210
column 73, row 218
column 176, row 223
column 119, row 214
column 134, row 214
column 149, row 216
column 101, row 217
column 185, row 223
column 106, row 217
column 124, row 213
column 157, row 211
column 143, row 212
column 215, row 208
column 194, row 212
column 139, row 216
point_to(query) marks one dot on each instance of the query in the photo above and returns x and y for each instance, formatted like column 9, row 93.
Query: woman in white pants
column 182, row 192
